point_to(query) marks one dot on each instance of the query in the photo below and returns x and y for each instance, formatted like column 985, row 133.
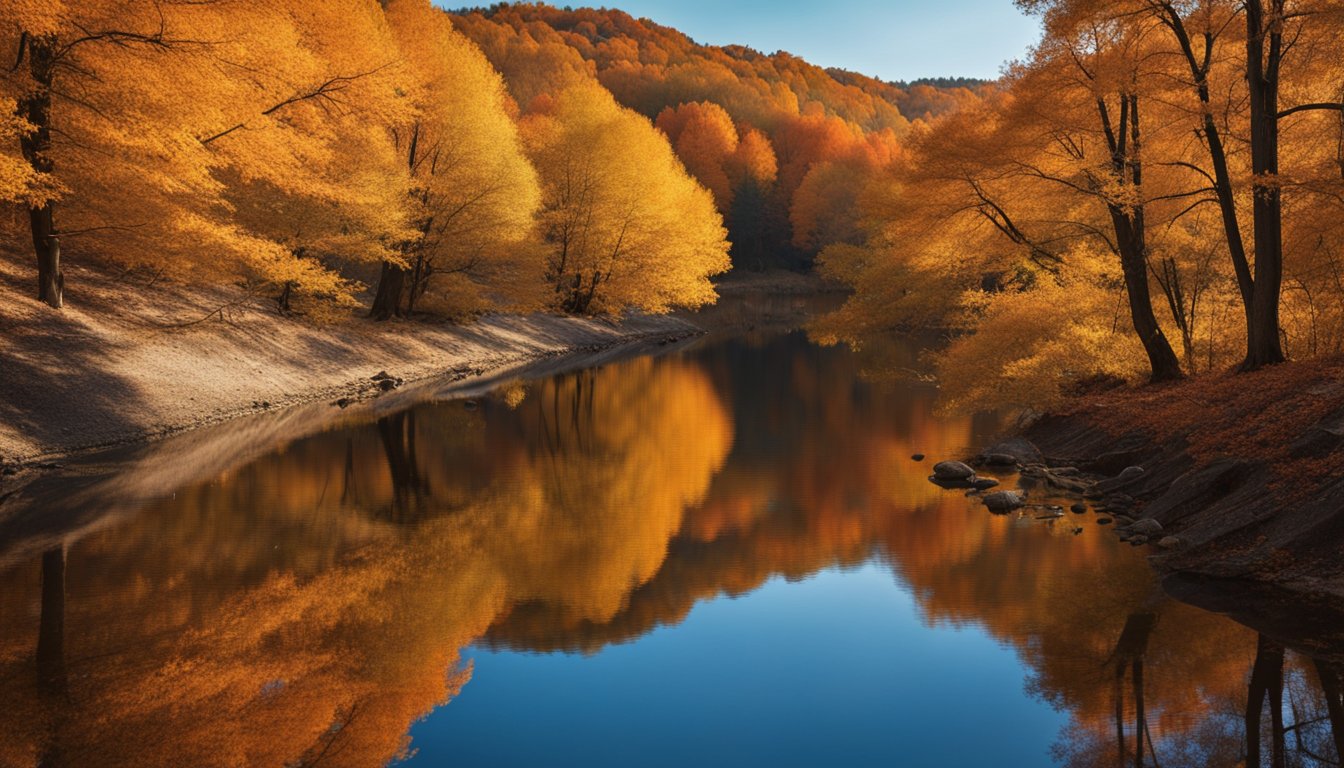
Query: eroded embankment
column 1245, row 471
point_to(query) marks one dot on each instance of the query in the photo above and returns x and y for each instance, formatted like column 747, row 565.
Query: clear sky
column 890, row 39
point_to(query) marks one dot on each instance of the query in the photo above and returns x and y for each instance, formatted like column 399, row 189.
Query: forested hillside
column 342, row 153
column 786, row 146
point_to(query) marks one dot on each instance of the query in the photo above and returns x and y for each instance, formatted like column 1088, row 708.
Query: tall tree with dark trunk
column 1131, row 235
column 35, row 108
column 1197, row 51
column 1264, row 59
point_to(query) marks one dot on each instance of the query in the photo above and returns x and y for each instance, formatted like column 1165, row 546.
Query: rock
column 1021, row 451
column 1000, row 502
column 1077, row 531
column 381, row 376
column 1103, row 521
column 1138, row 541
column 1129, row 473
column 952, row 470
column 1148, row 527
column 1001, row 460
column 387, row 385
column 344, row 402
column 1070, row 484
column 1050, row 516
column 1065, row 471
column 9, row 471
column 983, row 483
column 471, row 405
column 1078, row 508
column 1170, row 542
column 917, row 457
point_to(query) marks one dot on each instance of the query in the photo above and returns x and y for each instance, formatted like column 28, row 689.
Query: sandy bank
column 118, row 365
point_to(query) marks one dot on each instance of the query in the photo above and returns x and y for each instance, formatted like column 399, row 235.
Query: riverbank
column 124, row 363
column 1244, row 472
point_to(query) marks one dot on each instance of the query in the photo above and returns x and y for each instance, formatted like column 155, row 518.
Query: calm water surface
column 721, row 556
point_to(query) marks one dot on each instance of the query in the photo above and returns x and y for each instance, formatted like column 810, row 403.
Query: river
column 721, row 554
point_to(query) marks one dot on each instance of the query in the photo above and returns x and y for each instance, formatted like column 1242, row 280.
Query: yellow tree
column 306, row 161
column 625, row 225
column 473, row 190
column 144, row 117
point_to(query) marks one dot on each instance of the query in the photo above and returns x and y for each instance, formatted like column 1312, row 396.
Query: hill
column 787, row 146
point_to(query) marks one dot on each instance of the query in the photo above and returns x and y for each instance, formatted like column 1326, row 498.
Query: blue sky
column 891, row 39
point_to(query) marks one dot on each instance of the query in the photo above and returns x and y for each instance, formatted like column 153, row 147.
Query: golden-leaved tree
column 307, row 163
column 205, row 140
column 473, row 191
column 624, row 224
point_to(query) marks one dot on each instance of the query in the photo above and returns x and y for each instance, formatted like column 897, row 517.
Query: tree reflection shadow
column 308, row 608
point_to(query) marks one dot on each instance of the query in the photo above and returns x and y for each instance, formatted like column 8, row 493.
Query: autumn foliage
column 750, row 127
column 1152, row 193
column 341, row 151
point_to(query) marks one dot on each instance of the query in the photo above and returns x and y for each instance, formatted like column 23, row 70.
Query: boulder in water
column 952, row 470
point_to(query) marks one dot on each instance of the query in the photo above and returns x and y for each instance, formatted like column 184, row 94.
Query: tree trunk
column 1334, row 702
column 1264, row 54
column 391, row 288
column 398, row 437
column 1162, row 361
column 50, row 278
column 52, row 680
column 283, row 301
column 51, row 625
column 1131, row 236
column 1222, row 178
column 35, row 145
column 1266, row 682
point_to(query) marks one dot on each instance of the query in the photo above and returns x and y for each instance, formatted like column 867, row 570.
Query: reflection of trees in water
column 1129, row 652
column 304, row 610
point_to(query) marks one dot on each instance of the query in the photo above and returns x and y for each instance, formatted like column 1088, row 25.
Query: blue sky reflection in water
column 837, row 669
column 720, row 555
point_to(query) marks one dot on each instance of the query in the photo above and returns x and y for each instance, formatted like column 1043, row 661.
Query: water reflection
column 308, row 607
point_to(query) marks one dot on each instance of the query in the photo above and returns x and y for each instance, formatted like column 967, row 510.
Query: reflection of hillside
column 310, row 606
column 314, row 604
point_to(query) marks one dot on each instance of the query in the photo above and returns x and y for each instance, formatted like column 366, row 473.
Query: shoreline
column 1240, row 479
column 104, row 372
column 550, row 337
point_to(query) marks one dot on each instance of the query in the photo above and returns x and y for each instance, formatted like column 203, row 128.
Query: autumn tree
column 473, row 191
column 309, row 170
column 705, row 140
column 136, row 117
column 53, row 42
column 625, row 225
